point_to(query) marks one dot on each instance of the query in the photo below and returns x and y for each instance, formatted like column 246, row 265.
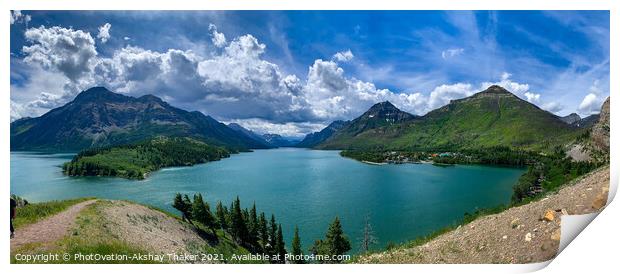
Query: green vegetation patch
column 32, row 213
column 135, row 161
column 90, row 235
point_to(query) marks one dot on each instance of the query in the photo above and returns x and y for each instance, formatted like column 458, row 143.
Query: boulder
column 549, row 216
column 601, row 199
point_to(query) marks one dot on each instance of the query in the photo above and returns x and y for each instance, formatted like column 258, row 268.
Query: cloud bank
column 234, row 82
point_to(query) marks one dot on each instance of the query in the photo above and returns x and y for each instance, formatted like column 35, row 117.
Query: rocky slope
column 571, row 118
column 253, row 135
column 316, row 138
column 596, row 147
column 524, row 234
column 575, row 120
column 99, row 117
column 600, row 131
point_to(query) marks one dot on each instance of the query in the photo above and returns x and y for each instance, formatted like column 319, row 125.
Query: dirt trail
column 49, row 229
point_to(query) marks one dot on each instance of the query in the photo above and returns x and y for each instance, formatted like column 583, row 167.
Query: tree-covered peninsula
column 135, row 161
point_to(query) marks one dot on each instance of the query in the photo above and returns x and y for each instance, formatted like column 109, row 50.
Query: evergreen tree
column 202, row 213
column 188, row 204
column 273, row 237
column 239, row 229
column 280, row 246
column 230, row 217
column 210, row 220
column 319, row 248
column 221, row 215
column 337, row 243
column 263, row 232
column 180, row 205
column 296, row 245
column 253, row 228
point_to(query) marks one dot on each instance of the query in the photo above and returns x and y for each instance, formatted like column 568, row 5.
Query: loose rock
column 549, row 216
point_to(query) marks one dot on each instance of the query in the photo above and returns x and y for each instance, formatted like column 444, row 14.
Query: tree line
column 254, row 231
column 134, row 160
column 548, row 173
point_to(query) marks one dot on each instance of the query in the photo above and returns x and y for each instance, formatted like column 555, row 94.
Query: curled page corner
column 572, row 225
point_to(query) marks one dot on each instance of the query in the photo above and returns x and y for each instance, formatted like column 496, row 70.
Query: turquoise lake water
column 301, row 187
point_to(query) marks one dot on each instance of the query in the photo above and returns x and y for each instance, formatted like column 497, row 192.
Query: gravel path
column 524, row 234
column 150, row 229
column 50, row 229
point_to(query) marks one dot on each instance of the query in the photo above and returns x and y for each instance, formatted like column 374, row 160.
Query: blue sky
column 293, row 72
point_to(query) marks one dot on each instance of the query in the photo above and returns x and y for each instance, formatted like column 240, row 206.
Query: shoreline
column 374, row 163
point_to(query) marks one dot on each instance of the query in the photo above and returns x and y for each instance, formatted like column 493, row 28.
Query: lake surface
column 301, row 187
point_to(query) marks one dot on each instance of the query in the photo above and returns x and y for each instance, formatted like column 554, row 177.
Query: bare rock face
column 600, row 131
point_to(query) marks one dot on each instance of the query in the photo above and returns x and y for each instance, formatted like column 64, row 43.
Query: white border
column 602, row 235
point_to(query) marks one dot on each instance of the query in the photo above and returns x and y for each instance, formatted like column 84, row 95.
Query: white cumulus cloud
column 18, row 17
column 592, row 102
column 553, row 107
column 233, row 83
column 343, row 56
column 71, row 52
column 218, row 38
column 104, row 32
column 532, row 97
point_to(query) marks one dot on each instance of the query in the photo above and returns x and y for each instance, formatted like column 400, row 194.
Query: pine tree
column 273, row 236
column 201, row 213
column 253, row 228
column 188, row 204
column 296, row 245
column 263, row 232
column 280, row 246
column 337, row 243
column 230, row 217
column 239, row 228
column 180, row 205
column 220, row 212
column 209, row 221
column 368, row 236
column 319, row 248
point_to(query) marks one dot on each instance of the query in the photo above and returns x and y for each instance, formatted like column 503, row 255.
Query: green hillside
column 137, row 160
column 98, row 117
column 494, row 117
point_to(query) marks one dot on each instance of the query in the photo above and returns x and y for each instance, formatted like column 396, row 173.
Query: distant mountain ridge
column 316, row 138
column 575, row 120
column 493, row 117
column 98, row 117
column 259, row 138
column 276, row 140
column 571, row 118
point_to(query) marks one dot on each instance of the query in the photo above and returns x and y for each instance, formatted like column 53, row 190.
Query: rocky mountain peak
column 571, row 118
column 495, row 89
column 95, row 94
column 386, row 110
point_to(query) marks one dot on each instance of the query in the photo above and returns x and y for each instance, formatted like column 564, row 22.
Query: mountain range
column 493, row 117
column 98, row 117
column 316, row 138
column 576, row 120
